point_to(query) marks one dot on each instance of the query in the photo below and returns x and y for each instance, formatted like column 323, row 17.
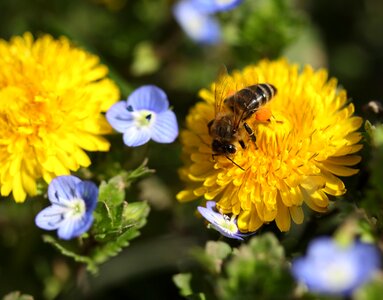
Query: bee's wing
column 221, row 89
column 238, row 110
column 226, row 86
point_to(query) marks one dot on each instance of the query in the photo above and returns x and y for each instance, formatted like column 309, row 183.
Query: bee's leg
column 249, row 131
column 242, row 143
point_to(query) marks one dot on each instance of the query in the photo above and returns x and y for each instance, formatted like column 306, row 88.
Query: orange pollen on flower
column 263, row 114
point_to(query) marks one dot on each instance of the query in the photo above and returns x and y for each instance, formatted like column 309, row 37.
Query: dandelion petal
column 165, row 128
column 134, row 136
column 149, row 97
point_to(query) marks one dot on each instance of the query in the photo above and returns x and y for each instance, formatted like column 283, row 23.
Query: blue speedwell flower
column 144, row 116
column 220, row 222
column 73, row 202
column 199, row 26
column 213, row 6
column 330, row 268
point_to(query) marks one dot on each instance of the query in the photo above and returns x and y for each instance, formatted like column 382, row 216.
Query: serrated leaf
column 135, row 214
column 113, row 192
column 113, row 241
column 115, row 221
column 103, row 252
column 141, row 171
column 256, row 269
column 65, row 251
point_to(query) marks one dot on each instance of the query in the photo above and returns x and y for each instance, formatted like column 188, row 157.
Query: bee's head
column 223, row 148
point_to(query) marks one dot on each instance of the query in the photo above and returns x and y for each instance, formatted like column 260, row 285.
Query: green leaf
column 262, row 28
column 135, row 214
column 145, row 60
column 65, row 251
column 213, row 255
column 112, row 192
column 141, row 171
column 113, row 240
column 113, row 214
column 372, row 290
column 373, row 202
column 182, row 281
column 115, row 222
column 257, row 269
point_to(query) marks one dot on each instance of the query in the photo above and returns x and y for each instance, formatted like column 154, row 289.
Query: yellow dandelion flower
column 51, row 98
column 310, row 140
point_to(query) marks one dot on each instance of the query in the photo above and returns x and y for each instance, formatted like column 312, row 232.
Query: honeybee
column 232, row 110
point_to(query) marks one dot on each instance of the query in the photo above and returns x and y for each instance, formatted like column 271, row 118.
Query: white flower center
column 195, row 25
column 340, row 275
column 143, row 118
column 228, row 224
column 76, row 208
column 224, row 2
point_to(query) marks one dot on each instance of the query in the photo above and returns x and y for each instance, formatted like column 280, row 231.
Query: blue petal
column 324, row 254
column 214, row 6
column 119, row 117
column 136, row 136
column 368, row 259
column 322, row 247
column 149, row 97
column 165, row 128
column 214, row 218
column 210, row 205
column 228, row 234
column 50, row 218
column 88, row 191
column 197, row 25
column 209, row 214
column 72, row 228
column 62, row 188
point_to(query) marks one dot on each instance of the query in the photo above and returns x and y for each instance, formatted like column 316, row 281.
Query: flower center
column 195, row 25
column 228, row 224
column 223, row 2
column 339, row 275
column 76, row 208
column 143, row 118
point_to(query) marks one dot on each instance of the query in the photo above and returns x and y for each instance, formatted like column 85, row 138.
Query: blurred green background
column 141, row 43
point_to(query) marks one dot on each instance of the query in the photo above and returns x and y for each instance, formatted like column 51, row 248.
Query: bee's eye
column 231, row 148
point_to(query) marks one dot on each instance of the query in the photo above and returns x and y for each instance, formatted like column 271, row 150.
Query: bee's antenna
column 214, row 155
column 234, row 163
